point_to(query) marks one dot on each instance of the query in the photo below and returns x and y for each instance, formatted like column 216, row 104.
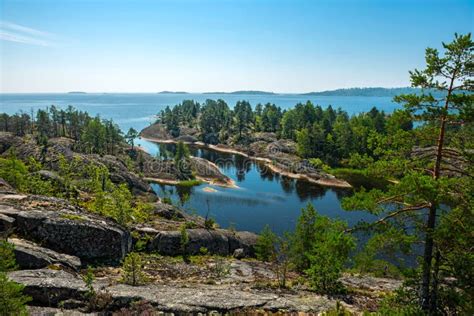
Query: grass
column 189, row 183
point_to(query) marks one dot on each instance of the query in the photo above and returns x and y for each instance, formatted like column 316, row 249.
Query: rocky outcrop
column 69, row 230
column 51, row 287
column 32, row 256
column 26, row 148
column 220, row 242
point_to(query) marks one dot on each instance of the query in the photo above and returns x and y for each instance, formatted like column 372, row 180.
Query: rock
column 6, row 223
column 239, row 253
column 6, row 188
column 167, row 211
column 50, row 287
column 220, row 242
column 32, row 256
column 90, row 237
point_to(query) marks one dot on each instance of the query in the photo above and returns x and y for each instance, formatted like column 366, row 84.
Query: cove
column 262, row 197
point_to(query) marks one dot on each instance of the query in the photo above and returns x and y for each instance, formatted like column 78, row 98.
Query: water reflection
column 263, row 197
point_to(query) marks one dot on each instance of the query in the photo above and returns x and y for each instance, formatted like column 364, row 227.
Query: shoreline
column 335, row 183
column 230, row 185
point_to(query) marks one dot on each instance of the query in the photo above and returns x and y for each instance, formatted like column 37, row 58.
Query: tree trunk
column 431, row 222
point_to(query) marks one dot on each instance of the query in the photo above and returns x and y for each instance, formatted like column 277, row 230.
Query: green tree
column 328, row 254
column 182, row 161
column 133, row 269
column 243, row 116
column 7, row 256
column 130, row 137
column 303, row 238
column 266, row 243
column 425, row 185
column 12, row 300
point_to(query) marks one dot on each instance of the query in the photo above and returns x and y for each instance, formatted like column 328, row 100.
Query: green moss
column 73, row 217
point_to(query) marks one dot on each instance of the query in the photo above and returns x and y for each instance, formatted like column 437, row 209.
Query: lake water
column 262, row 198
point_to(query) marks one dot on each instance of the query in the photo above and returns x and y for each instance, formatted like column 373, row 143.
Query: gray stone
column 32, row 256
column 239, row 253
column 219, row 241
column 6, row 223
column 49, row 288
column 90, row 237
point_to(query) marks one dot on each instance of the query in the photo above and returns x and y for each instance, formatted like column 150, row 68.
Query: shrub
column 209, row 223
column 12, row 300
column 133, row 269
column 303, row 238
column 328, row 254
column 265, row 246
column 7, row 256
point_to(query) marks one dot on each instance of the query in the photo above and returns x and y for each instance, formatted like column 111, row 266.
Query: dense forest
column 330, row 135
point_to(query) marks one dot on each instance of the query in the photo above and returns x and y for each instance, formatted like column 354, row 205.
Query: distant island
column 173, row 92
column 246, row 92
column 367, row 92
column 77, row 92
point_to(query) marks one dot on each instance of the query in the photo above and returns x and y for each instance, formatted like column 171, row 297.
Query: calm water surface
column 262, row 197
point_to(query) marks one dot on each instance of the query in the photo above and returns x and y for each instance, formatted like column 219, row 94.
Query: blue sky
column 280, row 46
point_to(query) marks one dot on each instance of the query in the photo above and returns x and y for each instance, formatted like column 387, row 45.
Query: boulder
column 90, row 237
column 49, row 287
column 220, row 242
column 32, row 256
column 6, row 224
column 239, row 253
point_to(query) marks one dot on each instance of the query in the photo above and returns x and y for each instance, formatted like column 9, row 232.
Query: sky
column 197, row 46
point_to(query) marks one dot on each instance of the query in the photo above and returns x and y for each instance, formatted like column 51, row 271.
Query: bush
column 303, row 238
column 133, row 269
column 7, row 256
column 328, row 254
column 266, row 243
column 12, row 300
column 184, row 241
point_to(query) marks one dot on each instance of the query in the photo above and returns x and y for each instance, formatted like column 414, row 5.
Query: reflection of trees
column 306, row 190
column 184, row 193
column 266, row 173
column 342, row 193
column 166, row 151
column 242, row 166
column 287, row 184
column 225, row 199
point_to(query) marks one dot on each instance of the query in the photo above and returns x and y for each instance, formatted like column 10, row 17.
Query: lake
column 262, row 197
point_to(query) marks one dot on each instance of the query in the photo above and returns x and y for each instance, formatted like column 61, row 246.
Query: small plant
column 203, row 251
column 265, row 246
column 221, row 268
column 7, row 256
column 12, row 300
column 209, row 223
column 338, row 310
column 133, row 269
column 88, row 279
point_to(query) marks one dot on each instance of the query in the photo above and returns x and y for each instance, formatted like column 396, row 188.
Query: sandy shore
column 324, row 182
